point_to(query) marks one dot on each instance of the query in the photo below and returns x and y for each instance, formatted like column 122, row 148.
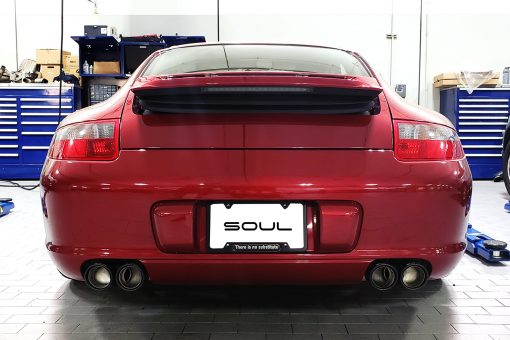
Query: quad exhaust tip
column 414, row 276
column 383, row 276
column 130, row 277
column 98, row 276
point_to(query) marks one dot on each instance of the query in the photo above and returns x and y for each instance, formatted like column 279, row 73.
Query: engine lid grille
column 250, row 99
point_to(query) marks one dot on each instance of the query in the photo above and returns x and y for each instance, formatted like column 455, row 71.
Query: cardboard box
column 49, row 56
column 75, row 71
column 442, row 76
column 450, row 79
column 453, row 75
column 454, row 82
column 106, row 67
column 71, row 61
column 72, row 70
column 49, row 72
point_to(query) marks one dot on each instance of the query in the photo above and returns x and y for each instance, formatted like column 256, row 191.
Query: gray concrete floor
column 37, row 303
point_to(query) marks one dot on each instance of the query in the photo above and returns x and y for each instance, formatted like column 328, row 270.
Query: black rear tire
column 506, row 167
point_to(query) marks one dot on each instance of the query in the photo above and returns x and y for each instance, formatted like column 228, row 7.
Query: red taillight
column 425, row 141
column 86, row 141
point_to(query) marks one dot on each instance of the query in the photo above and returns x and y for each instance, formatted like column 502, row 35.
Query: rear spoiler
column 348, row 97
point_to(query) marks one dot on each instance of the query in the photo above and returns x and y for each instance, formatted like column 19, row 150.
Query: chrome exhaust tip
column 130, row 277
column 414, row 276
column 98, row 276
column 383, row 276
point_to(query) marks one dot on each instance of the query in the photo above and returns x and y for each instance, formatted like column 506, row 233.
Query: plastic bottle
column 85, row 67
column 91, row 69
column 506, row 75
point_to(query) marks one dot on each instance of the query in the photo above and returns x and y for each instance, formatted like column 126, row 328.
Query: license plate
column 257, row 227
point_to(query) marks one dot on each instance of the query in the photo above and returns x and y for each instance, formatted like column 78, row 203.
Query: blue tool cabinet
column 28, row 119
column 480, row 119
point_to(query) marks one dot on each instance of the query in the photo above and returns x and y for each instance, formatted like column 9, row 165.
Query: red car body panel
column 150, row 204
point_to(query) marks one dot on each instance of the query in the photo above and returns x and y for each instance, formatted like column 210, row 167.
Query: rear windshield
column 256, row 58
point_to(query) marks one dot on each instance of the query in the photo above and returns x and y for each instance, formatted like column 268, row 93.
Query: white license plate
column 252, row 227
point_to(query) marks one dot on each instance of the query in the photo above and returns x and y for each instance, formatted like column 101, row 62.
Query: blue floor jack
column 485, row 246
column 6, row 205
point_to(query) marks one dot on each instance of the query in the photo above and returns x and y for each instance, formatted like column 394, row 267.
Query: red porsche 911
column 255, row 164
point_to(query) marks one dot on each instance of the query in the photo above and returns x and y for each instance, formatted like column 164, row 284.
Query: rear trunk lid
column 256, row 110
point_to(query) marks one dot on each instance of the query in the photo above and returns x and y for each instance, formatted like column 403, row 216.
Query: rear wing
column 250, row 93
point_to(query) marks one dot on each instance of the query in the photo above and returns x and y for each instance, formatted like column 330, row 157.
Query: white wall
column 457, row 34
column 39, row 21
column 464, row 35
column 406, row 47
column 327, row 22
column 7, row 35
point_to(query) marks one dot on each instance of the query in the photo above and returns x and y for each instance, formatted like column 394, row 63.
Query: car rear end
column 256, row 177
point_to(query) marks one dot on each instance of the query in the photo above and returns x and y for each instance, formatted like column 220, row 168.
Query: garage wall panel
column 7, row 34
column 464, row 35
column 405, row 56
column 39, row 25
column 359, row 26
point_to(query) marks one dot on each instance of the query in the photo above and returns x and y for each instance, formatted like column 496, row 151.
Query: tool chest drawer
column 29, row 115
column 480, row 119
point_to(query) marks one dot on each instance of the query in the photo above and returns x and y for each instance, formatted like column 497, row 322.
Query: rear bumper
column 103, row 210
column 252, row 269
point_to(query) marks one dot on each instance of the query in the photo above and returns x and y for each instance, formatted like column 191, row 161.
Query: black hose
column 61, row 61
column 13, row 184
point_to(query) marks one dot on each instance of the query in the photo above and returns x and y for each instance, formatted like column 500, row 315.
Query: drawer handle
column 28, row 147
column 483, row 106
column 483, row 155
column 482, row 146
column 470, row 100
column 480, row 138
column 36, row 133
column 482, row 131
column 479, row 117
column 64, row 100
column 39, row 123
column 45, row 106
column 42, row 114
column 480, row 111
column 483, row 123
